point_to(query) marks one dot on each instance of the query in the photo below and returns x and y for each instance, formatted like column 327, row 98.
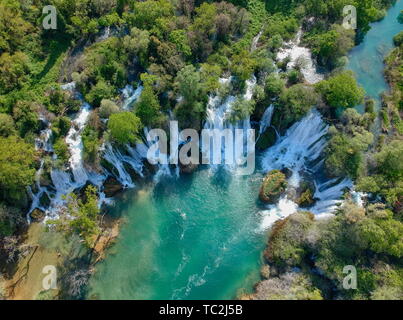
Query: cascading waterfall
column 265, row 122
column 298, row 54
column 130, row 96
column 298, row 150
column 217, row 116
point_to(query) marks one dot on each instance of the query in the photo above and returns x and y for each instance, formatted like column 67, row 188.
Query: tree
column 147, row 108
column 345, row 153
column 17, row 166
column 137, row 44
column 25, row 114
column 332, row 45
column 101, row 90
column 124, row 127
column 274, row 86
column 81, row 216
column 295, row 102
column 13, row 27
column 341, row 90
column 398, row 39
column 7, row 126
column 190, row 109
column 14, row 71
column 241, row 109
column 108, row 107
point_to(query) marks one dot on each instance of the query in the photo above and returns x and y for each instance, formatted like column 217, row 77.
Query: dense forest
column 177, row 51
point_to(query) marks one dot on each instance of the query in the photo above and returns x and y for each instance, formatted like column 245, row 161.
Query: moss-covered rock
column 37, row 214
column 306, row 194
column 274, row 184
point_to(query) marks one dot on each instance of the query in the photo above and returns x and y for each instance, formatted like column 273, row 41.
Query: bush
column 398, row 39
column 124, row 127
column 341, row 90
column 108, row 107
column 7, row 126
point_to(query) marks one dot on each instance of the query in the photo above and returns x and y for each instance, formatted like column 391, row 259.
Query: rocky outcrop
column 188, row 169
column 37, row 215
column 305, row 194
column 112, row 187
column 273, row 186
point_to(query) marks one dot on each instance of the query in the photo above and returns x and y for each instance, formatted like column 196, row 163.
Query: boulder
column 189, row 168
column 306, row 193
column 273, row 186
column 37, row 214
column 112, row 187
column 267, row 139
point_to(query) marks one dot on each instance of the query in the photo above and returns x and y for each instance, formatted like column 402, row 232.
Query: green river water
column 199, row 236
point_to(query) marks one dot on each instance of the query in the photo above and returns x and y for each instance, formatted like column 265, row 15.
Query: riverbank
column 49, row 248
column 304, row 257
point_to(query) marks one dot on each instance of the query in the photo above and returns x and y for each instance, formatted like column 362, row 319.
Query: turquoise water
column 366, row 60
column 196, row 237
column 199, row 236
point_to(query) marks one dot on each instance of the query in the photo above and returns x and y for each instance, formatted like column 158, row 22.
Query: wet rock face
column 38, row 215
column 188, row 169
column 267, row 139
column 273, row 186
column 112, row 187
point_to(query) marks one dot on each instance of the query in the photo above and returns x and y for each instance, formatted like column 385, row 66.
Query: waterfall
column 75, row 144
column 115, row 158
column 296, row 53
column 43, row 141
column 130, row 96
column 217, row 117
column 36, row 198
column 302, row 143
column 265, row 122
column 135, row 155
column 298, row 150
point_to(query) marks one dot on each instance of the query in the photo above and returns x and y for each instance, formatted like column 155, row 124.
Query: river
column 201, row 236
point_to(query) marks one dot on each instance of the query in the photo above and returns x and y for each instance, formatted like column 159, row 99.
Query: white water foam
column 296, row 53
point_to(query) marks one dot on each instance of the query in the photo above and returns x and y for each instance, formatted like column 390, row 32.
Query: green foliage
column 17, row 160
column 190, row 86
column 14, row 71
column 81, row 216
column 241, row 109
column 147, row 108
column 341, row 90
column 124, row 127
column 274, row 86
column 61, row 126
column 274, row 184
column 386, row 173
column 179, row 38
column 147, row 14
column 400, row 17
column 286, row 244
column 102, row 90
column 61, row 150
column 398, row 39
column 7, row 126
column 344, row 154
column 91, row 144
column 295, row 102
column 332, row 45
column 13, row 27
column 10, row 219
column 108, row 107
column 137, row 44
